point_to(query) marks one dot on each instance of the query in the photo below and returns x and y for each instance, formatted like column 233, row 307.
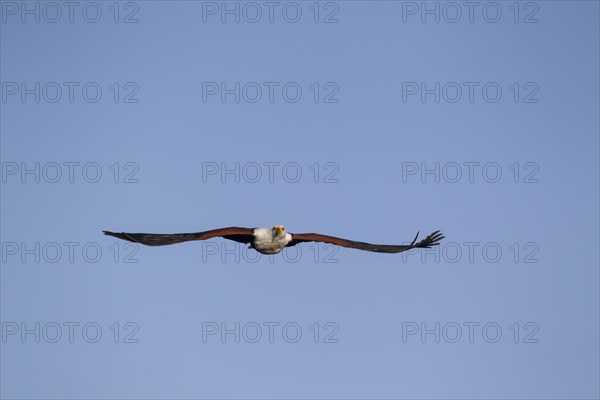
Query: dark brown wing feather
column 429, row 241
column 242, row 235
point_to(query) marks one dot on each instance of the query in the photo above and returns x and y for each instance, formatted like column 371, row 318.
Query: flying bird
column 272, row 240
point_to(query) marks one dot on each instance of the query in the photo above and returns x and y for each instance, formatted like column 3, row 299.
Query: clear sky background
column 507, row 307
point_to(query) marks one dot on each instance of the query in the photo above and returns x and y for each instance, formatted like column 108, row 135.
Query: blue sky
column 366, row 120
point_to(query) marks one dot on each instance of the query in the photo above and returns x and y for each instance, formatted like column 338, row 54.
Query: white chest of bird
column 270, row 240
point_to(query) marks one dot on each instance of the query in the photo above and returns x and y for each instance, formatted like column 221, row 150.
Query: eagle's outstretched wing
column 242, row 235
column 429, row 241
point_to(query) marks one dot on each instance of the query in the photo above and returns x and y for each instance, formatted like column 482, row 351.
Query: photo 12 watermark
column 270, row 12
column 270, row 332
column 52, row 172
column 69, row 92
column 470, row 332
column 470, row 12
column 69, row 12
column 470, row 92
column 70, row 252
column 517, row 172
column 471, row 252
column 228, row 252
column 270, row 92
column 69, row 332
column 270, row 172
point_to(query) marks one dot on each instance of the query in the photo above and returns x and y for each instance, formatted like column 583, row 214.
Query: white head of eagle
column 270, row 241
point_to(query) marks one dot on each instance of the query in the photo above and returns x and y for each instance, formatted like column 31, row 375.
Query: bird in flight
column 272, row 240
